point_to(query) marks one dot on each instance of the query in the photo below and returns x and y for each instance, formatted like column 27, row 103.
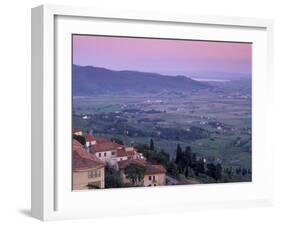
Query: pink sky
column 163, row 56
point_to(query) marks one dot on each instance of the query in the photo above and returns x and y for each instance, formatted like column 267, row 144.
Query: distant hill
column 221, row 75
column 88, row 80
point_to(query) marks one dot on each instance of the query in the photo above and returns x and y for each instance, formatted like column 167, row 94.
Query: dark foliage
column 117, row 140
column 112, row 178
column 80, row 139
column 151, row 145
column 214, row 171
column 135, row 172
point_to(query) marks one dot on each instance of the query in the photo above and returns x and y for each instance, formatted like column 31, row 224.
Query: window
column 99, row 154
column 104, row 154
column 94, row 173
column 154, row 178
column 149, row 178
column 113, row 153
column 121, row 159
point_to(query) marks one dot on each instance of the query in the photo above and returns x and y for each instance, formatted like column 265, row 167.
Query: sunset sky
column 171, row 57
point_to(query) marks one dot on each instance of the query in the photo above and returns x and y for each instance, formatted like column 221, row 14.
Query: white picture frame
column 51, row 196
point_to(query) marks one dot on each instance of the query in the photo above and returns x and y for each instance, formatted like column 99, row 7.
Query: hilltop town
column 93, row 158
column 100, row 162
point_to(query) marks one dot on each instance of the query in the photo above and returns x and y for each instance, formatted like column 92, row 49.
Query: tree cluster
column 112, row 178
column 214, row 171
column 188, row 164
column 134, row 172
column 188, row 161
column 154, row 156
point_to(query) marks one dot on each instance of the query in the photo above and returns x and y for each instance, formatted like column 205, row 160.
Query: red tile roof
column 149, row 168
column 83, row 160
column 105, row 145
column 155, row 169
column 122, row 153
column 123, row 164
column 89, row 137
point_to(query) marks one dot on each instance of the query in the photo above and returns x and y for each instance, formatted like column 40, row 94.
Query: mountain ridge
column 90, row 80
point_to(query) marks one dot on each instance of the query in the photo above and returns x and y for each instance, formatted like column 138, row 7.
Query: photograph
column 152, row 112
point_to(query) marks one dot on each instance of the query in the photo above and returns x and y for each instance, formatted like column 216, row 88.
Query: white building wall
column 106, row 156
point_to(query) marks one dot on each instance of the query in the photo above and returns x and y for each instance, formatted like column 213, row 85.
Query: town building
column 155, row 175
column 89, row 161
column 111, row 152
column 87, row 169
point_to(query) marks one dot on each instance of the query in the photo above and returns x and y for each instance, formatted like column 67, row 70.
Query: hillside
column 88, row 80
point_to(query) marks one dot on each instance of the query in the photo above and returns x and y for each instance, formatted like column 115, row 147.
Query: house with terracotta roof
column 111, row 152
column 155, row 175
column 87, row 169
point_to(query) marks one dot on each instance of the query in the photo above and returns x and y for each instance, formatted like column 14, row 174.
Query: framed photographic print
column 136, row 112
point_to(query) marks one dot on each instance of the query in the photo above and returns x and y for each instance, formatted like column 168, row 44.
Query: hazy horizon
column 164, row 56
column 194, row 75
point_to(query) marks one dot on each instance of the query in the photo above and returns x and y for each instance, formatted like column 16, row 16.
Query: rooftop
column 123, row 164
column 122, row 152
column 89, row 137
column 105, row 145
column 83, row 160
column 149, row 168
column 155, row 169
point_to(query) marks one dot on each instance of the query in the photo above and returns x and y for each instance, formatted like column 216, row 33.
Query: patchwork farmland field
column 215, row 123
